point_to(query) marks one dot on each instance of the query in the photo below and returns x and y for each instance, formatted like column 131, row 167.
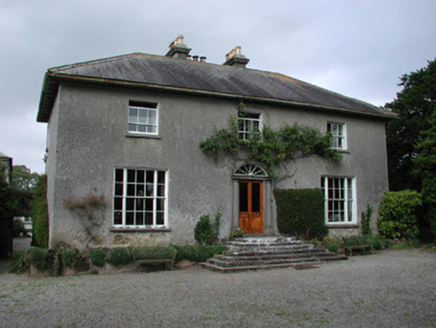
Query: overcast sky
column 358, row 48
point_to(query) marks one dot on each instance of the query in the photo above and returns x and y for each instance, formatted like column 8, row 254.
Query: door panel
column 251, row 206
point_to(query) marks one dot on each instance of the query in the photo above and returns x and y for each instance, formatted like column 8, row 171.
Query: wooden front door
column 251, row 206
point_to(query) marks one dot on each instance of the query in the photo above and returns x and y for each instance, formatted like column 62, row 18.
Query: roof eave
column 52, row 81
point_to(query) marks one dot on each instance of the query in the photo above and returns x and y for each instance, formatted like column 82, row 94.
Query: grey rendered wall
column 91, row 141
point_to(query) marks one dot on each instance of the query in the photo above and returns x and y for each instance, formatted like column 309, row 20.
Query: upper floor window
column 249, row 125
column 339, row 135
column 143, row 118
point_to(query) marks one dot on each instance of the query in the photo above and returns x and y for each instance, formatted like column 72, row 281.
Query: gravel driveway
column 389, row 289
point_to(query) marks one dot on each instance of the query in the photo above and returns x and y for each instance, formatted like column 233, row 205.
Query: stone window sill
column 142, row 136
column 342, row 226
column 133, row 230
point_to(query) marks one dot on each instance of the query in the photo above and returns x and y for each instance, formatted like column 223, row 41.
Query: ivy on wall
column 270, row 148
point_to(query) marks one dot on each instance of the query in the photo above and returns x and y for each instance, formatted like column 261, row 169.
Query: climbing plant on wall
column 270, row 148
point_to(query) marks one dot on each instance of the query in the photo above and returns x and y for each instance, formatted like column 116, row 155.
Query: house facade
column 126, row 131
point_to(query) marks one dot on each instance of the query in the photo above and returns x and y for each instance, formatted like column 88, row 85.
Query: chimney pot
column 195, row 58
column 203, row 59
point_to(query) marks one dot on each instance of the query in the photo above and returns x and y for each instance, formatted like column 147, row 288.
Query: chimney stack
column 235, row 58
column 178, row 49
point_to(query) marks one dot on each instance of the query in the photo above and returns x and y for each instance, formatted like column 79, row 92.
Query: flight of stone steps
column 244, row 254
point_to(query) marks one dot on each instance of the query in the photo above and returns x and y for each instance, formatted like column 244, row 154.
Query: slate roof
column 182, row 75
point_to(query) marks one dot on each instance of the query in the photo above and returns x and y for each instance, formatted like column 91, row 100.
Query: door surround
column 250, row 172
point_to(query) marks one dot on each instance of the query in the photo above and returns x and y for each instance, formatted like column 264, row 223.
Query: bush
column 18, row 264
column 18, row 228
column 40, row 214
column 366, row 221
column 97, row 257
column 197, row 253
column 300, row 213
column 204, row 232
column 120, row 256
column 397, row 214
column 68, row 257
column 37, row 257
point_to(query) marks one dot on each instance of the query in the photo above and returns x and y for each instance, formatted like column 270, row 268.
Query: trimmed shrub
column 37, row 257
column 40, row 214
column 97, row 257
column 300, row 212
column 197, row 253
column 120, row 256
column 204, row 231
column 397, row 214
column 68, row 257
column 18, row 264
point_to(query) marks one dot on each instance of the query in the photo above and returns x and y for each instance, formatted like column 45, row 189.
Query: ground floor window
column 339, row 200
column 140, row 198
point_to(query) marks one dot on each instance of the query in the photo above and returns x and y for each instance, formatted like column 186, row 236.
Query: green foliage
column 271, row 148
column 397, row 214
column 197, row 253
column 120, row 256
column 40, row 214
column 415, row 105
column 98, row 257
column 8, row 204
column 18, row 228
column 23, row 178
column 206, row 233
column 300, row 213
column 151, row 253
column 426, row 169
column 366, row 221
column 37, row 257
column 18, row 264
column 57, row 264
column 330, row 244
column 68, row 257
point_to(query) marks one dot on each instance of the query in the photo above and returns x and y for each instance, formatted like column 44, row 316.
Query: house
column 124, row 133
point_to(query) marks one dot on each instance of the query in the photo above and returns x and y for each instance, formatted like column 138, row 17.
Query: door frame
column 268, row 225
column 250, row 215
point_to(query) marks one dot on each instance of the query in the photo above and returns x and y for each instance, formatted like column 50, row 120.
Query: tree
column 426, row 169
column 23, row 178
column 414, row 104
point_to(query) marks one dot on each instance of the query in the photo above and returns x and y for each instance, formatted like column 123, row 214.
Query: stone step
column 262, row 256
column 221, row 269
column 271, row 252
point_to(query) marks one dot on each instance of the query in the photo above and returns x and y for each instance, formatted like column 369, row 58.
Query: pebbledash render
column 127, row 129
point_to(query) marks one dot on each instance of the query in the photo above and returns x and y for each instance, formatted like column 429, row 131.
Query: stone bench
column 154, row 264
column 358, row 250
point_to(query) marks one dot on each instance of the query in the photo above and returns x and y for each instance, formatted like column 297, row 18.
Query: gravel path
column 389, row 289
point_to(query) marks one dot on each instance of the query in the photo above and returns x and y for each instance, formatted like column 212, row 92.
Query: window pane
column 118, row 204
column 243, row 197
column 118, row 218
column 130, row 204
column 149, row 204
column 119, row 189
column 255, row 197
column 133, row 113
column 140, row 190
column 149, row 218
column 159, row 218
column 130, row 190
column 130, row 218
column 119, row 174
column 131, row 175
column 140, row 176
column 139, row 218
